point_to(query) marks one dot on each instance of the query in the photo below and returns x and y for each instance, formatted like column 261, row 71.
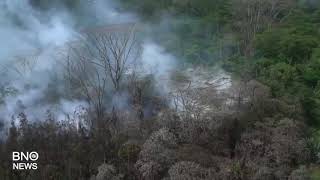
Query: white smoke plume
column 29, row 48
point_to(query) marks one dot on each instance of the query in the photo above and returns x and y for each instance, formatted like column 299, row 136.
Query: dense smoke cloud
column 159, row 63
column 28, row 45
column 32, row 41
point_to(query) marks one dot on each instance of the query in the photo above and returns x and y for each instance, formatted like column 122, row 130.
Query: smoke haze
column 32, row 42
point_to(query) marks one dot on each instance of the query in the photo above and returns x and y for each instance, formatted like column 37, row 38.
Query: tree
column 88, row 81
column 104, row 56
column 12, row 141
column 290, row 44
column 254, row 16
column 114, row 51
column 189, row 170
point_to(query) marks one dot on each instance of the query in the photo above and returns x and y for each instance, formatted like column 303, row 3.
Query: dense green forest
column 271, row 47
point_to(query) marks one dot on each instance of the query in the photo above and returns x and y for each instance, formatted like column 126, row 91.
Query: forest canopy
column 234, row 92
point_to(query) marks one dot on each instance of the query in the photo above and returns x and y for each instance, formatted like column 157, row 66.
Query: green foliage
column 196, row 40
column 311, row 72
column 314, row 143
column 47, row 4
column 297, row 48
column 315, row 173
column 240, row 66
column 312, row 106
column 148, row 9
column 279, row 76
column 291, row 66
column 237, row 170
column 195, row 31
column 129, row 152
column 290, row 44
column 193, row 8
column 293, row 41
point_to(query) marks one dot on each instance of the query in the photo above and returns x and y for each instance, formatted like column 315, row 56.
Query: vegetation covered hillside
column 201, row 90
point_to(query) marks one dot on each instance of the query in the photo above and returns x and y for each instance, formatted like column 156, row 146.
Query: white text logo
column 25, row 160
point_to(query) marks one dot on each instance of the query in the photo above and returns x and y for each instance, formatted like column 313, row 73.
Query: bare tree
column 187, row 102
column 114, row 52
column 102, row 57
column 21, row 65
column 88, row 81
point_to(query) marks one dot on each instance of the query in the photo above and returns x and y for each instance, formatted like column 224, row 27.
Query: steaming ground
column 205, row 89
